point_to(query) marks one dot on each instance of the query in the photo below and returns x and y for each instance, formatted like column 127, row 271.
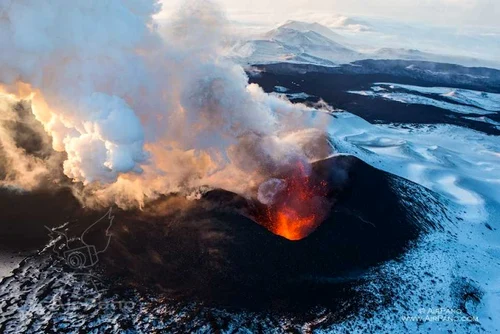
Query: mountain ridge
column 313, row 43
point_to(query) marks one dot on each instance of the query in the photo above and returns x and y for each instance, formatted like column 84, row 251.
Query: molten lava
column 299, row 208
column 289, row 224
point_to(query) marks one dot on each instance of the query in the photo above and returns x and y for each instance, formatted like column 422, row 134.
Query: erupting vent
column 298, row 208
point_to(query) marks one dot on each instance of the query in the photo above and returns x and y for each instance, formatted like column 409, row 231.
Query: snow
column 488, row 101
column 8, row 262
column 297, row 96
column 284, row 92
column 463, row 166
column 371, row 33
column 305, row 27
column 428, row 155
column 485, row 120
column 296, row 42
column 479, row 103
column 462, row 196
column 280, row 89
column 314, row 43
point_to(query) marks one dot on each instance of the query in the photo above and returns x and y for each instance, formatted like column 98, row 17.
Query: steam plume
column 141, row 110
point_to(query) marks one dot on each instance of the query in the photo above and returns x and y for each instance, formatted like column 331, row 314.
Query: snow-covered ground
column 488, row 101
column 283, row 91
column 471, row 102
column 457, row 162
column 464, row 166
column 485, row 120
column 8, row 262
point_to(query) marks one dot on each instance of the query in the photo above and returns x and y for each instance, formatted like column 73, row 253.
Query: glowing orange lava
column 290, row 225
column 299, row 208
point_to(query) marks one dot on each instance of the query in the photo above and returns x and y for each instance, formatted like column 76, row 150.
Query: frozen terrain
column 487, row 101
column 464, row 166
column 8, row 262
column 470, row 102
column 314, row 43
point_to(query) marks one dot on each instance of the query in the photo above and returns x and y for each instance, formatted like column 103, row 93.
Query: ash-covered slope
column 215, row 248
column 212, row 251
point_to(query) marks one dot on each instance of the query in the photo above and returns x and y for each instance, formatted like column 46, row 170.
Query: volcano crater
column 215, row 249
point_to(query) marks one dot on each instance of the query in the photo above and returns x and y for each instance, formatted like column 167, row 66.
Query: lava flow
column 298, row 208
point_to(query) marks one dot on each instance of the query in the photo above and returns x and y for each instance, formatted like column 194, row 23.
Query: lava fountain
column 296, row 205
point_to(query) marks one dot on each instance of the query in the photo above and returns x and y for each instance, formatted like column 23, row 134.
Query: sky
column 436, row 12
column 469, row 28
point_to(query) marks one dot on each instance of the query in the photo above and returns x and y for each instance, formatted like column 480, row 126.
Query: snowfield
column 487, row 101
column 469, row 102
column 464, row 166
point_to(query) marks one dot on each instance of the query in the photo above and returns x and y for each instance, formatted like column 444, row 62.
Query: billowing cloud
column 139, row 110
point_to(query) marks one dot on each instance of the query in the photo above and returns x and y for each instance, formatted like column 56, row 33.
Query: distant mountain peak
column 305, row 27
column 299, row 42
column 315, row 42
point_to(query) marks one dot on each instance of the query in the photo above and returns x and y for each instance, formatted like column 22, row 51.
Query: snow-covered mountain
column 314, row 43
column 296, row 42
column 304, row 27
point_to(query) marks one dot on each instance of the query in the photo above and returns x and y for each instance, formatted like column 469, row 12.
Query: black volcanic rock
column 212, row 248
column 24, row 215
column 167, row 258
column 334, row 84
column 426, row 73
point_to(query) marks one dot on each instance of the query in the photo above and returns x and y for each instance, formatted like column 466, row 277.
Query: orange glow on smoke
column 300, row 208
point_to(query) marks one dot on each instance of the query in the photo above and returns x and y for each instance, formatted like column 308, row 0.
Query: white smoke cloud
column 141, row 111
column 269, row 189
column 83, row 58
